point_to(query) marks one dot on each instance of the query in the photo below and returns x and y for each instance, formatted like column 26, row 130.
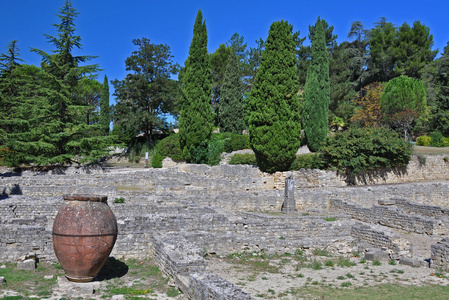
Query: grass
column 143, row 278
column 30, row 283
column 430, row 150
column 379, row 292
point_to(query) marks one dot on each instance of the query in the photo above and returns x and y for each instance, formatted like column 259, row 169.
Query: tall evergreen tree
column 195, row 120
column 54, row 130
column 316, row 92
column 218, row 61
column 231, row 106
column 274, row 108
column 105, row 111
column 381, row 64
column 440, row 112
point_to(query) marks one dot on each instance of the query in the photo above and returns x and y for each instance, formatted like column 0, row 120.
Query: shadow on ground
column 113, row 268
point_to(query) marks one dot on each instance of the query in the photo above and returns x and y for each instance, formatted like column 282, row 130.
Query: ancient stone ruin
column 177, row 215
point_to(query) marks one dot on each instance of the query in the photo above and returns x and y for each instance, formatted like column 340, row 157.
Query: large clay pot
column 84, row 233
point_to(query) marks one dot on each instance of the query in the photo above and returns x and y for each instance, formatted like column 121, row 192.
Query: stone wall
column 440, row 255
column 392, row 217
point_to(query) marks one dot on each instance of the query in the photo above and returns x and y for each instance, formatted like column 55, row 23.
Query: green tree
column 10, row 59
column 402, row 101
column 381, row 64
column 49, row 127
column 231, row 111
column 412, row 49
column 218, row 61
column 105, row 113
column 274, row 120
column 316, row 93
column 195, row 120
column 440, row 111
column 147, row 92
column 88, row 94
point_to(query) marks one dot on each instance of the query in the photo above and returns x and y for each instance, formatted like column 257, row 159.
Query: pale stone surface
column 28, row 264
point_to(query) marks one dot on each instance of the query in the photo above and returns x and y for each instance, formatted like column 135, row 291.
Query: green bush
column 436, row 139
column 243, row 159
column 423, row 140
column 446, row 142
column 236, row 142
column 168, row 146
column 307, row 161
column 208, row 152
column 360, row 149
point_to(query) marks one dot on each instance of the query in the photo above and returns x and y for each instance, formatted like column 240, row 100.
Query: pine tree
column 105, row 114
column 231, row 104
column 274, row 120
column 195, row 120
column 316, row 93
column 50, row 125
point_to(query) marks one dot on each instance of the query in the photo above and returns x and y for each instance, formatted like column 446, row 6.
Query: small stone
column 31, row 255
column 387, row 202
column 28, row 264
column 2, row 280
column 377, row 255
column 48, row 277
column 2, row 267
column 407, row 261
column 118, row 297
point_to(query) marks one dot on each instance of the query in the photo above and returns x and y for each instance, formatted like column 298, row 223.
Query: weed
column 341, row 277
column 400, row 271
column 345, row 262
column 330, row 219
column 363, row 260
column 321, row 252
column 300, row 275
column 329, row 263
column 346, row 284
column 119, row 200
column 282, row 238
column 393, row 262
column 349, row 275
column 271, row 291
column 173, row 292
column 305, row 214
column 377, row 263
column 316, row 265
column 264, row 278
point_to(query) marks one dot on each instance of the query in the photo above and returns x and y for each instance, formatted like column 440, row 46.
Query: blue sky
column 107, row 27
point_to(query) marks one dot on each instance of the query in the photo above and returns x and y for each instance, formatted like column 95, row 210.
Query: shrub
column 436, row 139
column 446, row 142
column 235, row 142
column 168, row 146
column 423, row 140
column 360, row 149
column 208, row 152
column 307, row 161
column 243, row 159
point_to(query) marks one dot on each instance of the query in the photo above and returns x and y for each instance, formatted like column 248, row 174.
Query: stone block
column 379, row 255
column 387, row 202
column 75, row 288
column 2, row 280
column 407, row 261
column 28, row 265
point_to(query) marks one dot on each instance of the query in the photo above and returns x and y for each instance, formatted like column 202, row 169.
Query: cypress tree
column 105, row 118
column 231, row 100
column 195, row 120
column 274, row 120
column 317, row 92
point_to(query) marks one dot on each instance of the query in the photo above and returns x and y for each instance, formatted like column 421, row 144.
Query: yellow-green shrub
column 423, row 140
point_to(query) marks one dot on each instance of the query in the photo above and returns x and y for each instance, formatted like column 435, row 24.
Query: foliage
column 436, row 139
column 195, row 120
column 316, row 94
column 105, row 112
column 307, row 161
column 243, row 159
column 119, row 200
column 147, row 92
column 208, row 152
column 368, row 112
column 235, row 142
column 423, row 140
column 231, row 113
column 168, row 146
column 274, row 108
column 218, row 62
column 357, row 150
column 402, row 101
column 46, row 122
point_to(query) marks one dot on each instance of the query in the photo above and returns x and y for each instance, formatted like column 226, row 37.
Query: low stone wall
column 380, row 237
column 440, row 255
column 391, row 217
column 207, row 286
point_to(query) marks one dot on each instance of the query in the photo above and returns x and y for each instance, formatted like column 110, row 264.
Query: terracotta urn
column 84, row 233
